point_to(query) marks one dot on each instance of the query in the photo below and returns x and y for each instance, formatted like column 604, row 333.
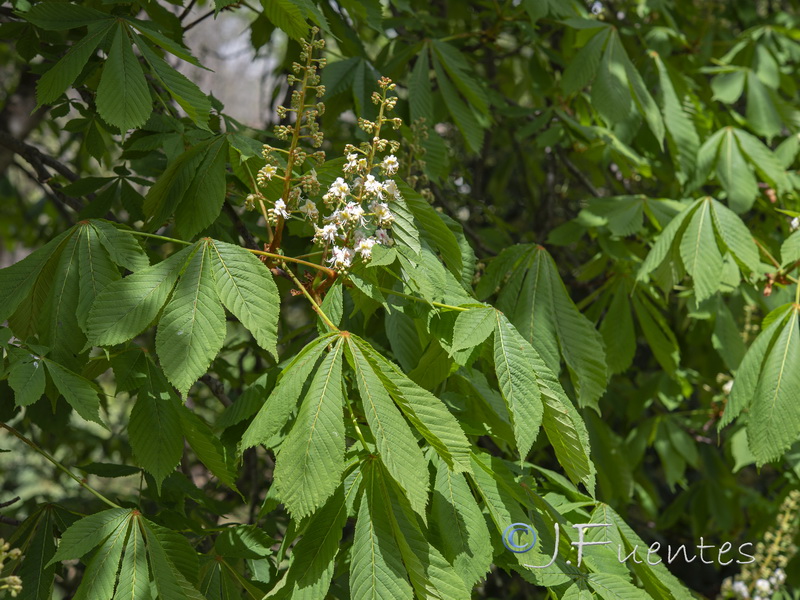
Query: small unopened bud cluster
column 12, row 584
column 762, row 578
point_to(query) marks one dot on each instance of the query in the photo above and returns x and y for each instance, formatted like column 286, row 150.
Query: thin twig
column 578, row 173
column 217, row 388
column 198, row 20
column 244, row 232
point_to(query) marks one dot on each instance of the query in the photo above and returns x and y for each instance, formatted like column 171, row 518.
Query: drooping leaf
column 155, row 434
column 309, row 467
column 192, row 328
column 123, row 98
column 81, row 394
column 517, row 381
column 246, row 289
column 395, row 443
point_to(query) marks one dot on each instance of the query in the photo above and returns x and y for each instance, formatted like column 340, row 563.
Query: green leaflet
column 27, row 379
column 61, row 330
column 89, row 532
column 682, row 138
column 583, row 67
column 186, row 93
column 286, row 15
column 431, row 575
column 517, row 382
column 155, row 434
column 37, row 570
column 472, row 328
column 394, row 441
column 735, row 174
column 134, row 575
column 123, row 98
column 80, row 393
column 427, row 414
column 420, row 98
column 377, row 571
column 186, row 180
column 748, row 373
column 618, row 331
column 122, row 247
column 62, row 75
column 462, row 113
column 774, row 420
column 459, row 71
column 611, row 94
column 309, row 466
column 246, row 288
column 60, row 16
column 101, row 572
column 173, row 563
column 95, row 271
column 462, row 533
column 313, row 566
column 275, row 411
column 17, row 280
column 126, row 307
column 208, row 447
column 192, row 327
column 201, row 204
column 790, row 249
column 735, row 236
column 700, row 254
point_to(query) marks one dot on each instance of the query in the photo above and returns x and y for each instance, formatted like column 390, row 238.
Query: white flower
column 382, row 237
column 795, row 224
column 390, row 164
column 341, row 258
column 326, row 233
column 352, row 163
column 779, row 576
column 309, row 209
column 362, row 164
column 364, row 247
column 373, row 186
column 390, row 187
column 354, row 212
column 740, row 589
column 279, row 210
column 265, row 174
column 337, row 217
column 728, row 386
column 383, row 215
column 339, row 189
column 763, row 586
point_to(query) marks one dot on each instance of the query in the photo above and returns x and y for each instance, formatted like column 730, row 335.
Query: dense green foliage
column 487, row 263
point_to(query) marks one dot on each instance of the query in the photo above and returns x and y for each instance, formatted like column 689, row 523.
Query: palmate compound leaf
column 309, row 466
column 126, row 307
column 536, row 301
column 246, row 288
column 89, row 532
column 703, row 232
column 101, row 571
column 429, row 415
column 396, row 444
column 192, row 327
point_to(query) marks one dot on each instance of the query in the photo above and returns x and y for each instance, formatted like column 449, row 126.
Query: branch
column 217, row 388
column 578, row 173
column 248, row 238
column 38, row 160
column 58, row 198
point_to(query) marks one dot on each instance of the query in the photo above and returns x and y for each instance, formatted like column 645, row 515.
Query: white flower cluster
column 763, row 589
column 359, row 216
